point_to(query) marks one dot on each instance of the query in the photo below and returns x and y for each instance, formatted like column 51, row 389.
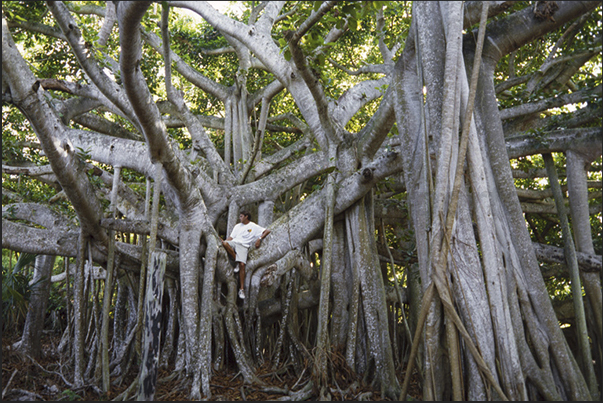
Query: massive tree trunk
column 30, row 343
column 318, row 282
column 364, row 260
column 501, row 234
column 517, row 251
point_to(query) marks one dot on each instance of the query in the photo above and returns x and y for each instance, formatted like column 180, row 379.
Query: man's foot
column 241, row 294
column 236, row 269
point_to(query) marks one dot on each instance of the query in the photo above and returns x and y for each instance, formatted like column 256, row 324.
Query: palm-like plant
column 15, row 292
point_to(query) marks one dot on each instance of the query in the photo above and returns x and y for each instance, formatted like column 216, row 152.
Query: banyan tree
column 382, row 144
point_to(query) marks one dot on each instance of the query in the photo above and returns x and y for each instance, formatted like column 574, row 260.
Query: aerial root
column 21, row 394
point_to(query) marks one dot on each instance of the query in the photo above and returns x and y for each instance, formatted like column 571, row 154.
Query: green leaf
column 348, row 9
column 24, row 260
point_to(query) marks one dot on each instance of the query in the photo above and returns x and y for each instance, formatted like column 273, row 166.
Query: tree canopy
column 430, row 173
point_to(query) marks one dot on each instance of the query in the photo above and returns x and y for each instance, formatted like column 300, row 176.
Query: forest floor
column 23, row 379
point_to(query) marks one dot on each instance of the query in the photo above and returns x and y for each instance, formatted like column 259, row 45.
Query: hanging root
column 234, row 330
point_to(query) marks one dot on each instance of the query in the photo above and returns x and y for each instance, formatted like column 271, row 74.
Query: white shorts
column 240, row 250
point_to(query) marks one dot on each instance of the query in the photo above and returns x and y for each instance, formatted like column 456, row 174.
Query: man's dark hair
column 246, row 214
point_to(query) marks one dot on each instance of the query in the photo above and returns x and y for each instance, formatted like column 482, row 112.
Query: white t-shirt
column 246, row 234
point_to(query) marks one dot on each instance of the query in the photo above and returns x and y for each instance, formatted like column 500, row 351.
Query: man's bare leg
column 242, row 275
column 229, row 249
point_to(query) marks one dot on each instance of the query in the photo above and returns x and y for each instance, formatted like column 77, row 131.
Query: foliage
column 56, row 308
column 338, row 67
column 15, row 291
column 69, row 395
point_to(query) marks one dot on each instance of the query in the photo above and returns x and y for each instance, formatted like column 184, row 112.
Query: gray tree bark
column 577, row 163
column 152, row 328
column 30, row 343
column 489, row 312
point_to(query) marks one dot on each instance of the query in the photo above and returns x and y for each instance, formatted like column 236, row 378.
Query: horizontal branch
column 548, row 103
column 366, row 69
column 554, row 254
column 555, row 141
column 533, row 173
column 550, row 208
column 23, row 238
column 510, row 83
column 271, row 309
column 27, row 170
column 141, row 227
column 39, row 214
column 105, row 126
column 39, row 28
column 548, row 193
column 214, row 122
column 220, row 51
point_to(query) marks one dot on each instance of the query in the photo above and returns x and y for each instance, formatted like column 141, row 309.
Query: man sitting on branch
column 238, row 243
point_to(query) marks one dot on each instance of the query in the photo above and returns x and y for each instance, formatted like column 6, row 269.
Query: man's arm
column 259, row 240
column 233, row 233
